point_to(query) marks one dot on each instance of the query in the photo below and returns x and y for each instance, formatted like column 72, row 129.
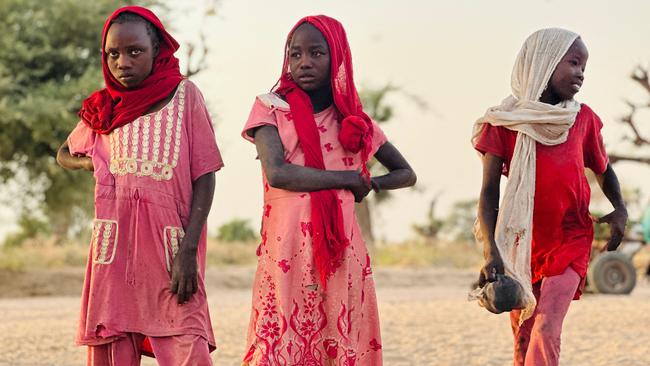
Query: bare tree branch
column 194, row 68
column 628, row 119
column 614, row 158
column 640, row 75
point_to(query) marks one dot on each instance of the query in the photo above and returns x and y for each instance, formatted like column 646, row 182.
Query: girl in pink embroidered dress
column 297, row 319
column 154, row 184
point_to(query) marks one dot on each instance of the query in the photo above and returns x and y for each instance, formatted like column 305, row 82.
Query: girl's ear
column 156, row 50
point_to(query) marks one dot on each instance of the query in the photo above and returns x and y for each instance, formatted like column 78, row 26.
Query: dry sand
column 426, row 320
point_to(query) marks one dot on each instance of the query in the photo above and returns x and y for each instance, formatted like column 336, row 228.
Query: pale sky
column 455, row 55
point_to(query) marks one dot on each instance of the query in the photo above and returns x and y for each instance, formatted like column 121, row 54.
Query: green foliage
column 460, row 221
column 457, row 226
column 374, row 102
column 237, row 230
column 31, row 227
column 50, row 61
column 433, row 226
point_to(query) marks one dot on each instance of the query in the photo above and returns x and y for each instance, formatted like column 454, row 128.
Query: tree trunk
column 365, row 221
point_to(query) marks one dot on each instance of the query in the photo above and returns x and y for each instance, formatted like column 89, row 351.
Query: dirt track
column 426, row 320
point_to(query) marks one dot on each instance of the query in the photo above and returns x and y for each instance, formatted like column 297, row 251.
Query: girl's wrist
column 375, row 185
column 351, row 179
column 189, row 245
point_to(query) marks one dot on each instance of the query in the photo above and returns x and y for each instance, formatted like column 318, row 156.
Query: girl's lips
column 576, row 87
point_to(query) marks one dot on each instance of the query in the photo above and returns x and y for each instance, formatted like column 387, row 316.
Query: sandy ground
column 426, row 320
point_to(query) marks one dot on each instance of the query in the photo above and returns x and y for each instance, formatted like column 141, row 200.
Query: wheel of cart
column 611, row 273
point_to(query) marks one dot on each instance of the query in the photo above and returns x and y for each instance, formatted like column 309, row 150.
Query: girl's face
column 309, row 59
column 568, row 75
column 130, row 53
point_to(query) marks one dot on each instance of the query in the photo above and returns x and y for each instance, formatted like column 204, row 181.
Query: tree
column 433, row 226
column 375, row 105
column 459, row 224
column 236, row 230
column 50, row 61
column 635, row 136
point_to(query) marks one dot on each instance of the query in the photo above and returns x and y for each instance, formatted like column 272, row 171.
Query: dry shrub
column 419, row 253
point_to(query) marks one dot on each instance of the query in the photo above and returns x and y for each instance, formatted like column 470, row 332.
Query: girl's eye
column 317, row 53
column 136, row 52
column 294, row 55
column 113, row 54
column 574, row 62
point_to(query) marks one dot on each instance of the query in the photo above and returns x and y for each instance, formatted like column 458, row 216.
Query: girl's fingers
column 481, row 279
column 604, row 219
column 189, row 290
column 182, row 291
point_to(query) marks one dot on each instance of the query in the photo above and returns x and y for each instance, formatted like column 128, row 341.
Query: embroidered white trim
column 172, row 236
column 145, row 138
column 158, row 158
column 105, row 236
column 157, row 125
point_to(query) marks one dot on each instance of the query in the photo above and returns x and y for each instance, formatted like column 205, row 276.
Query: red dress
column 562, row 225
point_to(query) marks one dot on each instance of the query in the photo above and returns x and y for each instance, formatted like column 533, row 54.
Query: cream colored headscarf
column 534, row 122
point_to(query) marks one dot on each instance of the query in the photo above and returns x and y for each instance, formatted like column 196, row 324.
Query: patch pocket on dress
column 173, row 236
column 104, row 241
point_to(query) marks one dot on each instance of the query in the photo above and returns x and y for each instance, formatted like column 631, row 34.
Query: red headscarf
column 115, row 105
column 329, row 240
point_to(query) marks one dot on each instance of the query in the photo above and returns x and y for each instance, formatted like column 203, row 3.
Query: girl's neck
column 321, row 98
column 549, row 97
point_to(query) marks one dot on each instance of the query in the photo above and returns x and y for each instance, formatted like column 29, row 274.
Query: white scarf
column 534, row 122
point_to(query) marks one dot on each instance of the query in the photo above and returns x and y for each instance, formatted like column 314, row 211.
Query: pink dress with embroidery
column 144, row 172
column 293, row 321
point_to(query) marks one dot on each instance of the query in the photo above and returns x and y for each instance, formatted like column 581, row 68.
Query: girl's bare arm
column 488, row 210
column 184, row 270
column 291, row 177
column 400, row 174
column 72, row 162
column 616, row 219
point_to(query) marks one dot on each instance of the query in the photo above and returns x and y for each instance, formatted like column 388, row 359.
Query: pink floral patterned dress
column 143, row 194
column 294, row 321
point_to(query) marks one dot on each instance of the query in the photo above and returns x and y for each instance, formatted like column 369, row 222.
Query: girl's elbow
column 275, row 178
column 412, row 178
column 60, row 159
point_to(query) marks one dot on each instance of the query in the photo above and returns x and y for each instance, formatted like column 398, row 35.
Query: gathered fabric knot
column 97, row 110
column 355, row 134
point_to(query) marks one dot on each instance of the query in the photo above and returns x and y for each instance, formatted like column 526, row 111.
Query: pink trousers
column 537, row 340
column 182, row 350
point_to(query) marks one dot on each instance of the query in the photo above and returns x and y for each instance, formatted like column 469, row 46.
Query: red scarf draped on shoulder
column 115, row 105
column 329, row 241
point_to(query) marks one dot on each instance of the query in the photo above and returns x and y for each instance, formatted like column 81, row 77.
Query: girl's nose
column 123, row 63
column 306, row 63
